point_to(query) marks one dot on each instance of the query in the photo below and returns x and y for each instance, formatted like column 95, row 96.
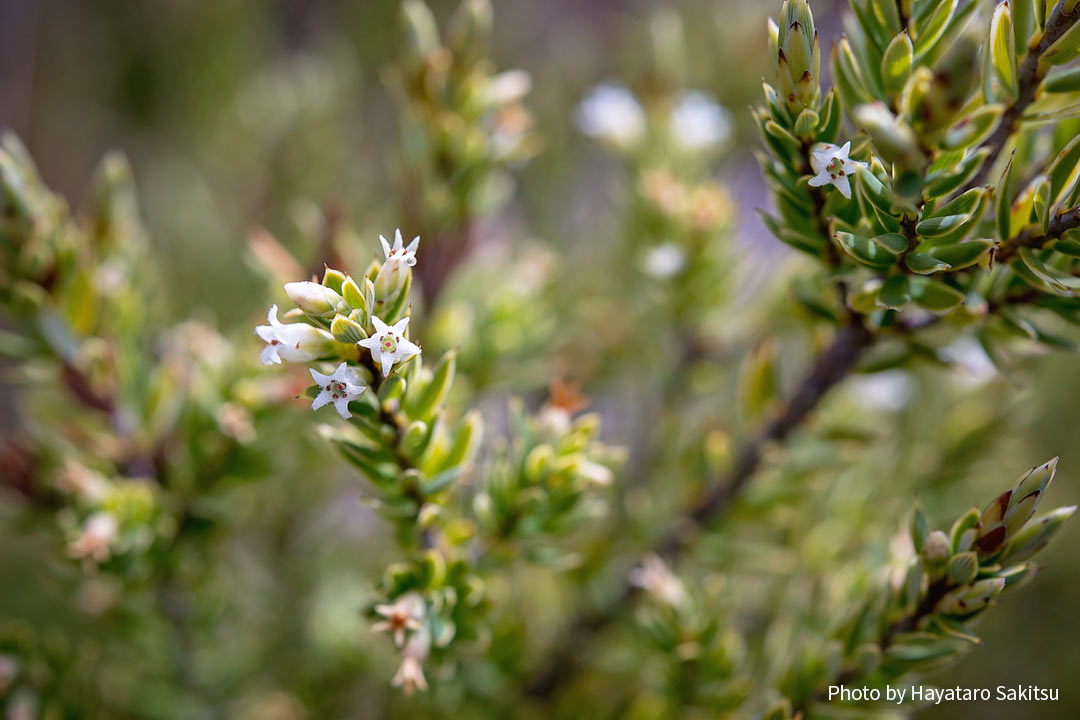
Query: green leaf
column 1041, row 202
column 945, row 183
column 1004, row 200
column 894, row 243
column 863, row 251
column 1061, row 282
column 924, row 263
column 1062, row 169
column 1066, row 49
column 424, row 405
column 954, row 628
column 934, row 295
column 1063, row 82
column 952, row 216
column 895, row 294
column 831, row 115
column 926, row 33
column 1002, row 50
column 897, row 62
column 974, row 128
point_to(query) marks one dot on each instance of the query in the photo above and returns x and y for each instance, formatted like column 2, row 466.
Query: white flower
column 664, row 260
column 699, row 123
column 410, row 676
column 508, row 87
column 832, row 165
column 97, row 534
column 975, row 366
column 400, row 617
column 655, row 578
column 314, row 298
column 611, row 113
column 9, row 669
column 294, row 342
column 389, row 345
column 338, row 388
column 888, row 390
column 398, row 253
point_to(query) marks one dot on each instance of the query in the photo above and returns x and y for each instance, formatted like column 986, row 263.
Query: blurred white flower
column 975, row 366
column 664, row 260
column 833, row 167
column 97, row 534
column 388, row 345
column 400, row 616
column 655, row 578
column 611, row 113
column 9, row 668
column 339, row 388
column 508, row 87
column 886, row 390
column 410, row 676
column 699, row 123
column 294, row 342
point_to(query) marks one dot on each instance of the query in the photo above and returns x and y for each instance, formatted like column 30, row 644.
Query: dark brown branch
column 1029, row 76
column 1034, row 238
column 829, row 369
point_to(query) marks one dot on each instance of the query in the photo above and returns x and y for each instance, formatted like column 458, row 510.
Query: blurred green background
column 241, row 114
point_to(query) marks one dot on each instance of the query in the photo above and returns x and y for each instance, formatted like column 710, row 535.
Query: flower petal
column 269, row 355
column 342, row 406
column 320, row 400
column 380, row 326
column 387, row 361
column 400, row 325
column 320, row 379
column 385, row 247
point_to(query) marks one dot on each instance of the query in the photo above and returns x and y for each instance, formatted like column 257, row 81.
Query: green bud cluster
column 922, row 619
column 930, row 217
column 462, row 122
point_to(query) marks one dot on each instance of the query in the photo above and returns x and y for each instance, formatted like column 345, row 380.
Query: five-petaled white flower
column 97, row 535
column 833, row 167
column 292, row 342
column 400, row 616
column 397, row 253
column 389, row 345
column 338, row 388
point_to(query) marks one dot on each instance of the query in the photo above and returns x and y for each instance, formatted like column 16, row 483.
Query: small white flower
column 389, row 345
column 293, row 342
column 400, row 616
column 664, row 260
column 508, row 87
column 699, row 123
column 410, row 676
column 889, row 390
column 9, row 669
column 339, row 388
column 97, row 534
column 397, row 253
column 655, row 578
column 833, row 167
column 314, row 298
column 611, row 113
column 596, row 473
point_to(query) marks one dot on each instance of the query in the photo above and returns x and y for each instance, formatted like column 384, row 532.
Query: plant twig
column 1034, row 238
column 829, row 369
column 1029, row 76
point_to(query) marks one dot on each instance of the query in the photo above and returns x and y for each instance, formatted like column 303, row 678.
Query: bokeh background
column 248, row 114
